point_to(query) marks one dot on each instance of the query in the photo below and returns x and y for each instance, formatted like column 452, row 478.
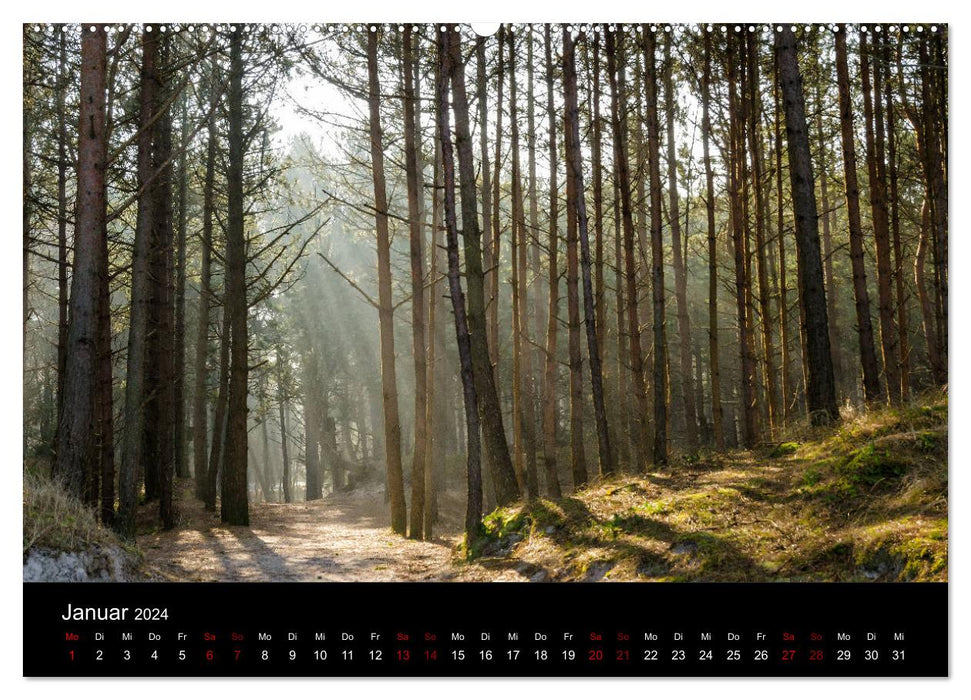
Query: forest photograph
column 526, row 303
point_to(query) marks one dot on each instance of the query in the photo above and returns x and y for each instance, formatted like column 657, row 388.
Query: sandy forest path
column 344, row 537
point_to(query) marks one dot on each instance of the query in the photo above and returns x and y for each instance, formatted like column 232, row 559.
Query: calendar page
column 332, row 330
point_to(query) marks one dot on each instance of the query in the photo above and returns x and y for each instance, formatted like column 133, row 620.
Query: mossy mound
column 865, row 501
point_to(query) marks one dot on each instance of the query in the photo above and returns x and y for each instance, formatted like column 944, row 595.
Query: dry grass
column 55, row 520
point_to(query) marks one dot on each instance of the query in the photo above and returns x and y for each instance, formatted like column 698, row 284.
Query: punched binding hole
column 485, row 28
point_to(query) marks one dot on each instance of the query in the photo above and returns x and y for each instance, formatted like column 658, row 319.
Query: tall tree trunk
column 553, row 321
column 608, row 463
column 894, row 197
column 680, row 280
column 868, row 356
column 873, row 123
column 698, row 413
column 311, row 427
column 578, row 460
column 234, row 502
column 435, row 403
column 389, row 381
column 923, row 296
column 704, row 428
column 935, row 70
column 141, row 289
column 755, row 148
column 490, row 212
column 485, row 190
column 104, row 471
column 200, row 390
column 429, row 481
column 164, row 429
column 759, row 410
column 492, row 269
column 76, row 457
column 153, row 427
column 534, row 309
column 286, row 480
column 490, row 190
column 411, row 125
column 178, row 385
column 831, row 289
column 107, row 466
column 217, row 450
column 62, row 214
column 328, row 444
column 104, row 430
column 639, row 205
column 931, row 143
column 448, row 52
column 660, row 369
column 27, row 193
column 596, row 158
column 615, row 67
column 622, row 422
column 521, row 410
column 736, row 154
column 788, row 392
column 490, row 411
column 713, row 361
column 820, row 389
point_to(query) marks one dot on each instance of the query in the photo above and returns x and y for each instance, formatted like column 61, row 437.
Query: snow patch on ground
column 96, row 563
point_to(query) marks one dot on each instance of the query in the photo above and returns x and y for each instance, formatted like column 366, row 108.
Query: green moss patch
column 784, row 449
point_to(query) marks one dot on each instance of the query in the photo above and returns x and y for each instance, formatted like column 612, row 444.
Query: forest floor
column 866, row 502
column 343, row 537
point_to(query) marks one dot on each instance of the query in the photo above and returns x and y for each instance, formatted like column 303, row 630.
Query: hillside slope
column 866, row 502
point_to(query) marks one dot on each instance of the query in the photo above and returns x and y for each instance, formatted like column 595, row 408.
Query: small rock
column 540, row 576
column 550, row 530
